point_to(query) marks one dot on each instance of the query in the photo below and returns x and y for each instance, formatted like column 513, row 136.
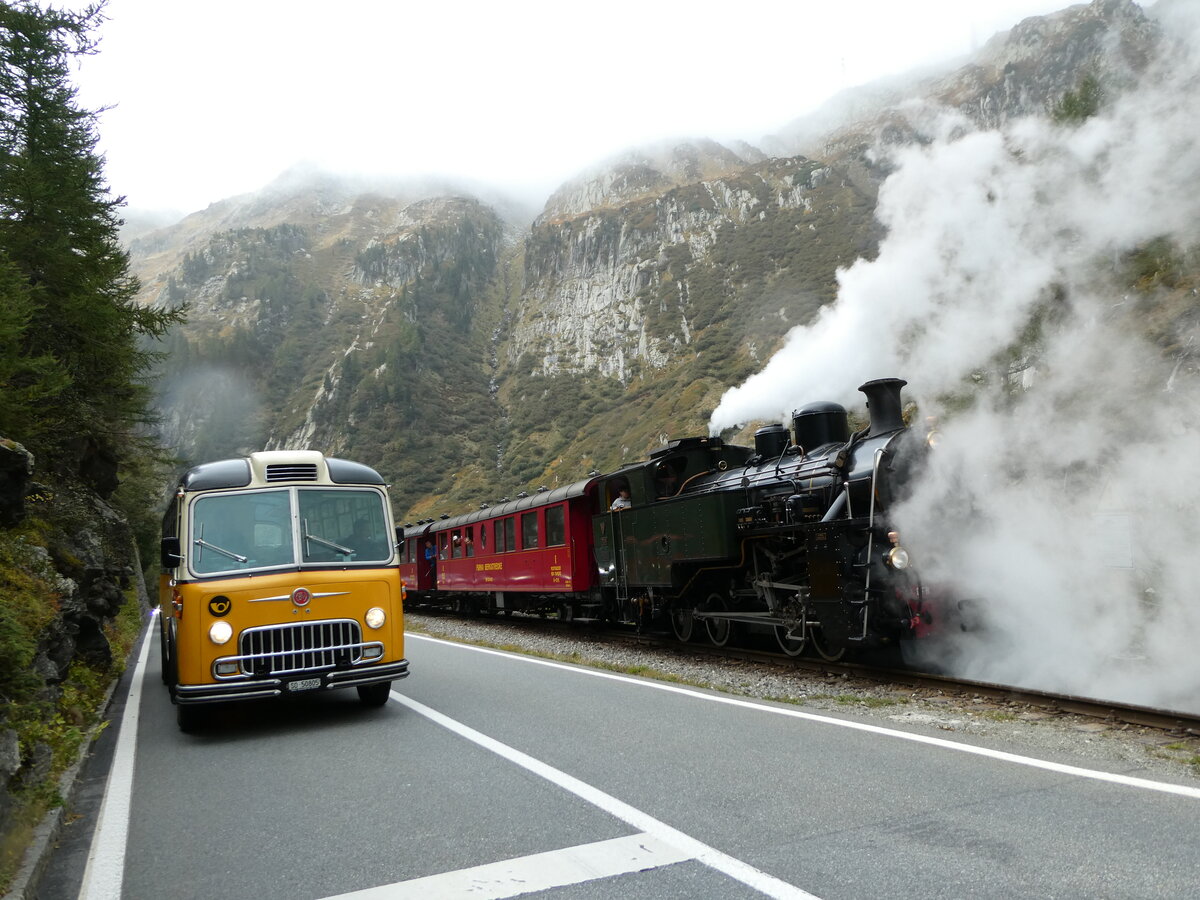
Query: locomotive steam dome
column 770, row 440
column 820, row 423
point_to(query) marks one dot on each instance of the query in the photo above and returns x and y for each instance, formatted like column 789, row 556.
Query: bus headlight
column 220, row 632
column 375, row 617
column 897, row 558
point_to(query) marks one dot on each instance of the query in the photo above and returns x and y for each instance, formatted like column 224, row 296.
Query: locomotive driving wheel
column 822, row 647
column 719, row 630
column 792, row 613
column 792, row 646
column 683, row 624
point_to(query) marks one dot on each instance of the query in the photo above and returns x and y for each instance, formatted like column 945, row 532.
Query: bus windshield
column 263, row 529
column 338, row 524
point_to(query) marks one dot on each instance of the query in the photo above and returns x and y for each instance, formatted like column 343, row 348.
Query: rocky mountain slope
column 470, row 353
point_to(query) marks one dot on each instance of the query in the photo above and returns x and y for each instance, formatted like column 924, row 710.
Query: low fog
column 1064, row 498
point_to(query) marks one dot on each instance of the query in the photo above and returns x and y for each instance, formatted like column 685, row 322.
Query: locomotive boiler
column 793, row 535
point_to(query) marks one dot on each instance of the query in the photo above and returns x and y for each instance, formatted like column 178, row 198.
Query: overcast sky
column 212, row 98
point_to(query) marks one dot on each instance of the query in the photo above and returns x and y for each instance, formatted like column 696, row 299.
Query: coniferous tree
column 59, row 236
column 28, row 383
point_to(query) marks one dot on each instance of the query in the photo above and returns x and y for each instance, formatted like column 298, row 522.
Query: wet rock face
column 74, row 559
column 92, row 555
column 16, row 467
column 98, row 467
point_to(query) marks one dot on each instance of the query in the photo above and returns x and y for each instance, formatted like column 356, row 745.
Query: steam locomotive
column 792, row 535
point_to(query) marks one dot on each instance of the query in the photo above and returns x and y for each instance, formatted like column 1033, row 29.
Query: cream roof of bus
column 276, row 467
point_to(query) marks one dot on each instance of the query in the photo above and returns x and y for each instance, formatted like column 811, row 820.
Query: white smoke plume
column 1068, row 511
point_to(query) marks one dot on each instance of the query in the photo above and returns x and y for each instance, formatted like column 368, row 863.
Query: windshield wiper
column 200, row 542
column 330, row 544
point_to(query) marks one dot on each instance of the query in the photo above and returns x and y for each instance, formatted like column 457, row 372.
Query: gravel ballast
column 1007, row 725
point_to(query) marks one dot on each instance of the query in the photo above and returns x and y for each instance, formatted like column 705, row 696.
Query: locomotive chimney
column 883, row 403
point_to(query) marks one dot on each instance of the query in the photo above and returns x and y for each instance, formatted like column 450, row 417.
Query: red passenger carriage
column 534, row 552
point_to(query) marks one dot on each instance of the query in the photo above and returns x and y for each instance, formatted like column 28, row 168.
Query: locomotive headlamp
column 897, row 558
column 220, row 632
column 375, row 617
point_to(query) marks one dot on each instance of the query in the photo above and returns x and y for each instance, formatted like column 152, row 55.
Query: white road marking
column 689, row 846
column 1061, row 768
column 105, row 872
column 538, row 872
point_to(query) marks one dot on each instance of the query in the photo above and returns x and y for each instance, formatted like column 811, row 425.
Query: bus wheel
column 374, row 694
column 163, row 656
column 189, row 718
column 170, row 667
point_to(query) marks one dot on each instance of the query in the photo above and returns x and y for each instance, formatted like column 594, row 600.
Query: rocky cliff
column 66, row 542
column 469, row 353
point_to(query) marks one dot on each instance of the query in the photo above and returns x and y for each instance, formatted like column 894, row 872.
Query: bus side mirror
column 399, row 535
column 170, row 553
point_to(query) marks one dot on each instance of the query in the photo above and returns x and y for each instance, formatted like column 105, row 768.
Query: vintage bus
column 280, row 576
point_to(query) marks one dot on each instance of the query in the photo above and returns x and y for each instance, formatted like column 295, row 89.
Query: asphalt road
column 491, row 775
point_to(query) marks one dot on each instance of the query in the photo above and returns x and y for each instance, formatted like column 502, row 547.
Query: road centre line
column 105, row 871
column 692, row 848
column 537, row 872
column 1001, row 755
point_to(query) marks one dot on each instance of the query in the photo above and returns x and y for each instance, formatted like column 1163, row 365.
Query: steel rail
column 1176, row 722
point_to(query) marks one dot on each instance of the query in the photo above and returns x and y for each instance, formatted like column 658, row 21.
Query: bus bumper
column 250, row 688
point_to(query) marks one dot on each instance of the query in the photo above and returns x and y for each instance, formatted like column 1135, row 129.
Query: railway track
column 1170, row 722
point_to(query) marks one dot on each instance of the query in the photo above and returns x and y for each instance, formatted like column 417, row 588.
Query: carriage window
column 529, row 530
column 443, row 545
column 510, row 533
column 469, row 541
column 482, row 538
column 501, row 546
column 456, row 544
column 556, row 534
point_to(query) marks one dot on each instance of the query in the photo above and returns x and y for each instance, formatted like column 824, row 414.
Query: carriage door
column 609, row 539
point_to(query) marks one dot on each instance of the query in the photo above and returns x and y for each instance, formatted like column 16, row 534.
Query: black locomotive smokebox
column 820, row 423
column 770, row 440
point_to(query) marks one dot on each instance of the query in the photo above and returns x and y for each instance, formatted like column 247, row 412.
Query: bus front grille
column 303, row 647
column 295, row 472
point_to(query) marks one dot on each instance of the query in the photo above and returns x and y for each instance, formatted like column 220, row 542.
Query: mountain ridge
column 463, row 347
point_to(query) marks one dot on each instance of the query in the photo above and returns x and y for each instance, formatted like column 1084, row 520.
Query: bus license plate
column 307, row 684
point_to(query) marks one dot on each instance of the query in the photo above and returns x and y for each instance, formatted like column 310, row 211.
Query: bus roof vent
column 294, row 472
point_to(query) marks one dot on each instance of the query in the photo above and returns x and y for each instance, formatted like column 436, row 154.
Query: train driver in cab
column 622, row 501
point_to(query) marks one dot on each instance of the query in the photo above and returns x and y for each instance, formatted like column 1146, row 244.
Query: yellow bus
column 280, row 576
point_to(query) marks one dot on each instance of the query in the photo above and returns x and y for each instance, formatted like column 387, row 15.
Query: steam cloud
column 1068, row 511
